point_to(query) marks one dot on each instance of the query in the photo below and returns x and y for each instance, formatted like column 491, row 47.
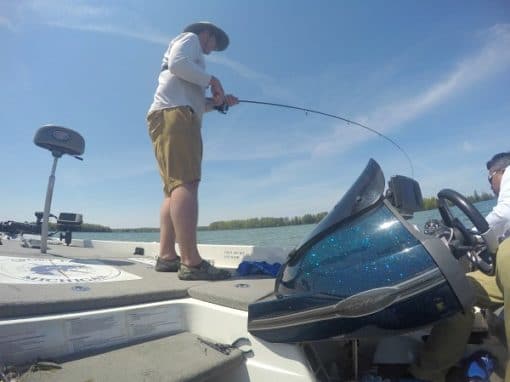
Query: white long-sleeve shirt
column 185, row 81
column 499, row 217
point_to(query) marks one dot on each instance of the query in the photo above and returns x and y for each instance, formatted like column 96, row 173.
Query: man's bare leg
column 184, row 216
column 166, row 233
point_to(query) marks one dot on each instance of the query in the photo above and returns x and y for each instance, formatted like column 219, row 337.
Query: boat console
column 364, row 271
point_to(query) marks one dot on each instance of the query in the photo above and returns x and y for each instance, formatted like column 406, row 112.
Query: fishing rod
column 224, row 108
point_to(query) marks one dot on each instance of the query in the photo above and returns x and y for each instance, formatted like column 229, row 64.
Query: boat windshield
column 373, row 250
column 364, row 193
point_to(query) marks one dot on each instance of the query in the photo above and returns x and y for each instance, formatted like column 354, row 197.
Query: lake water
column 288, row 236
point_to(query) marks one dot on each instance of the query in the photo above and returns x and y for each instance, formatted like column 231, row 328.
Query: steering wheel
column 470, row 243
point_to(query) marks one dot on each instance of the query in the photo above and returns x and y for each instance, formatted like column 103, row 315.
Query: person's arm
column 181, row 61
column 218, row 95
column 499, row 217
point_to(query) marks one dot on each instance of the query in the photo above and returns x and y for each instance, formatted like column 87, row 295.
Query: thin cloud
column 6, row 23
column 64, row 8
column 266, row 83
column 239, row 68
column 467, row 146
column 76, row 15
column 492, row 58
column 88, row 17
column 140, row 34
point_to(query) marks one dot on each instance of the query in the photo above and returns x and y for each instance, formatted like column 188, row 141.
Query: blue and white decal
column 21, row 270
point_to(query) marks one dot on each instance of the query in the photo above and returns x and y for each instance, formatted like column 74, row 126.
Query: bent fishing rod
column 224, row 108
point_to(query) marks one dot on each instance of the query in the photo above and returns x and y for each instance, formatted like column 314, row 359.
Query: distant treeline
column 142, row 229
column 101, row 228
column 86, row 227
column 428, row 204
column 265, row 222
column 431, row 203
column 230, row 224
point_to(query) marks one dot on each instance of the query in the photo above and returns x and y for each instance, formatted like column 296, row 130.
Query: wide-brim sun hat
column 222, row 39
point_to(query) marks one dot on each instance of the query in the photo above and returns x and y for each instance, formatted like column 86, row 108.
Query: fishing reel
column 223, row 108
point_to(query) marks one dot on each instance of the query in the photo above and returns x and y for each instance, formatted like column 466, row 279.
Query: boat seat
column 60, row 140
column 155, row 360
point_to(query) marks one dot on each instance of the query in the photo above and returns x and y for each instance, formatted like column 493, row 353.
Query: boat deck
column 94, row 304
column 154, row 360
column 103, row 314
column 77, row 278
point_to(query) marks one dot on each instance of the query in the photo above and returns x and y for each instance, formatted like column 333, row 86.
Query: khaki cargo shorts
column 177, row 141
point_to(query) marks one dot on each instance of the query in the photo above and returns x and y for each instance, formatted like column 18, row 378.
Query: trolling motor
column 13, row 228
column 59, row 140
column 67, row 222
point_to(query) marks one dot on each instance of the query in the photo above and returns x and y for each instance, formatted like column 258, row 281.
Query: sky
column 431, row 75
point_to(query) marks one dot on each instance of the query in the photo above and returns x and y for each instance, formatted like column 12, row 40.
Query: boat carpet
column 155, row 360
column 76, row 279
column 73, row 279
column 236, row 294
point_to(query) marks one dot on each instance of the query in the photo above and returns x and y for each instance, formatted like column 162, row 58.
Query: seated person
column 448, row 339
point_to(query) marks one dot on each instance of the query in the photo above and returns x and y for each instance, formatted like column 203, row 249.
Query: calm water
column 289, row 236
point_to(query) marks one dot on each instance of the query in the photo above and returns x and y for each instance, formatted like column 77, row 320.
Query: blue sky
column 433, row 76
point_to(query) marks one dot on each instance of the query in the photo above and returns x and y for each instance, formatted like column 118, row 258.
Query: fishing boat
column 360, row 292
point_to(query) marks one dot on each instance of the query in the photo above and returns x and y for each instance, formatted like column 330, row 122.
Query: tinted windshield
column 372, row 250
column 365, row 192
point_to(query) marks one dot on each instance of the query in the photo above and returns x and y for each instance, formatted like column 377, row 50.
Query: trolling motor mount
column 59, row 140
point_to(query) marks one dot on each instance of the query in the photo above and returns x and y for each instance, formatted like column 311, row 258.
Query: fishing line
column 223, row 109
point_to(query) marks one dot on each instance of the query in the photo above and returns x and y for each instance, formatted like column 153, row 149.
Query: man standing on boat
column 174, row 122
column 448, row 339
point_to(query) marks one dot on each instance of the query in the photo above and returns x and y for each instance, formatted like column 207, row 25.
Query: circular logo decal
column 57, row 271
